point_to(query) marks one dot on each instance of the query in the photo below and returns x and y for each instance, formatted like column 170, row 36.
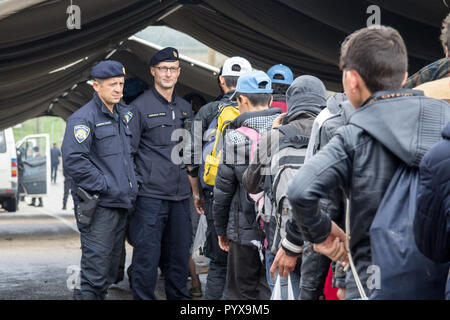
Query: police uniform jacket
column 156, row 120
column 97, row 153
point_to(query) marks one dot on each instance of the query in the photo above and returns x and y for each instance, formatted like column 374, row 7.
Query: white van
column 8, row 171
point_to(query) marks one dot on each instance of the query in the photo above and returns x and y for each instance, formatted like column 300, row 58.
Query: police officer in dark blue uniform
column 160, row 228
column 97, row 156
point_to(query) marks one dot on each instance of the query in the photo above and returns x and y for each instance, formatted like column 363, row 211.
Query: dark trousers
column 217, row 272
column 101, row 246
column 67, row 186
column 160, row 230
column 314, row 271
column 246, row 276
column 54, row 172
column 33, row 201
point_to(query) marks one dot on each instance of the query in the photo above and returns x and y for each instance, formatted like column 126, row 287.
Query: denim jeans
column 295, row 277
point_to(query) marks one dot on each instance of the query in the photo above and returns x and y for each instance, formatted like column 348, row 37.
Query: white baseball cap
column 236, row 66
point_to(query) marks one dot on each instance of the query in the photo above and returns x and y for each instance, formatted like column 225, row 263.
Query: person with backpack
column 275, row 164
column 233, row 210
column 282, row 78
column 391, row 126
column 315, row 266
column 206, row 118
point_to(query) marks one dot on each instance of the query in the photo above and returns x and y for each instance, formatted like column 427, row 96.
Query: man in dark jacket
column 390, row 126
column 160, row 227
column 55, row 153
column 96, row 154
column 315, row 266
column 432, row 221
column 233, row 210
column 306, row 97
column 203, row 200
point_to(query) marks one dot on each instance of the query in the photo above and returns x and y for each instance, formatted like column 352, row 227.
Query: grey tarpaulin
column 303, row 34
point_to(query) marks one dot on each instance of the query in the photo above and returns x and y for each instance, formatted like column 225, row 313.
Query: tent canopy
column 44, row 65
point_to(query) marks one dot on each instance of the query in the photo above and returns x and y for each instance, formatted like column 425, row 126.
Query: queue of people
column 290, row 178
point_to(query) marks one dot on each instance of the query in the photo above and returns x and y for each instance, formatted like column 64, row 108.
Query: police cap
column 167, row 54
column 108, row 69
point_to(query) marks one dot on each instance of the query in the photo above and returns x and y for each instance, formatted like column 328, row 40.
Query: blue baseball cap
column 254, row 82
column 279, row 73
column 108, row 69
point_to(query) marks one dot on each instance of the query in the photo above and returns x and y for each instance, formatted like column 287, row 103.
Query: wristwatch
column 196, row 197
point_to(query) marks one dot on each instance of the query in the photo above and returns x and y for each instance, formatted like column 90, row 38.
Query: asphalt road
column 40, row 253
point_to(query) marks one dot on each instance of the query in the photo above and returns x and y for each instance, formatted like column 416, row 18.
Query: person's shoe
column 64, row 208
column 31, row 204
column 40, row 205
column 196, row 292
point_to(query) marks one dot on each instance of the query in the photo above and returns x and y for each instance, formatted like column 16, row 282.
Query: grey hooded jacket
column 390, row 128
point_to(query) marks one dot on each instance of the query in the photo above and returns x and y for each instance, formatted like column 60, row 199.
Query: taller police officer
column 97, row 155
column 160, row 228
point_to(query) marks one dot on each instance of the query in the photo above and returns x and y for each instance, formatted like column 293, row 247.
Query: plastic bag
column 198, row 254
column 279, row 291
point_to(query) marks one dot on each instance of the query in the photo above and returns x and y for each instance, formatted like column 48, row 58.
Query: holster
column 84, row 211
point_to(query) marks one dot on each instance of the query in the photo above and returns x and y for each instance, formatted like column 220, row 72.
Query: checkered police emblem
column 81, row 133
column 128, row 116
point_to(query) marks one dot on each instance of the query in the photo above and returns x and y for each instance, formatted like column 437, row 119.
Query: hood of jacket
column 334, row 102
column 307, row 93
column 338, row 104
column 404, row 121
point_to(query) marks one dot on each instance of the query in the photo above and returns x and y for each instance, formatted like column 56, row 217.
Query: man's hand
column 224, row 243
column 198, row 204
column 341, row 294
column 334, row 245
column 277, row 122
column 284, row 263
column 195, row 186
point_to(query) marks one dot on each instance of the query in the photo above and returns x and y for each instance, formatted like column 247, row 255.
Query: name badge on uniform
column 153, row 115
column 81, row 132
column 185, row 114
column 103, row 123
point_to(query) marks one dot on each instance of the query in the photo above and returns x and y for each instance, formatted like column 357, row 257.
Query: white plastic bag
column 277, row 290
column 198, row 254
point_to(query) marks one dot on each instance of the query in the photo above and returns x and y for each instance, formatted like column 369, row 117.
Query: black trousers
column 101, row 246
column 217, row 273
column 246, row 275
column 161, row 233
column 33, row 201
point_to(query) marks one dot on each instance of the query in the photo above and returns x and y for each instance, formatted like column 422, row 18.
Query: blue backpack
column 405, row 273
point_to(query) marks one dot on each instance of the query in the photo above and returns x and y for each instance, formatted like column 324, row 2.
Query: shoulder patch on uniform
column 160, row 114
column 81, row 132
column 128, row 116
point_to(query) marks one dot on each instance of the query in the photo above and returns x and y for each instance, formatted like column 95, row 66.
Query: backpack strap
column 253, row 135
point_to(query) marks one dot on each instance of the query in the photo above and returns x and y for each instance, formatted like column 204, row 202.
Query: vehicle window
column 2, row 142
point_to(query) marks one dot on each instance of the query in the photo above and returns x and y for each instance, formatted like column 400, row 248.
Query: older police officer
column 97, row 155
column 160, row 228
